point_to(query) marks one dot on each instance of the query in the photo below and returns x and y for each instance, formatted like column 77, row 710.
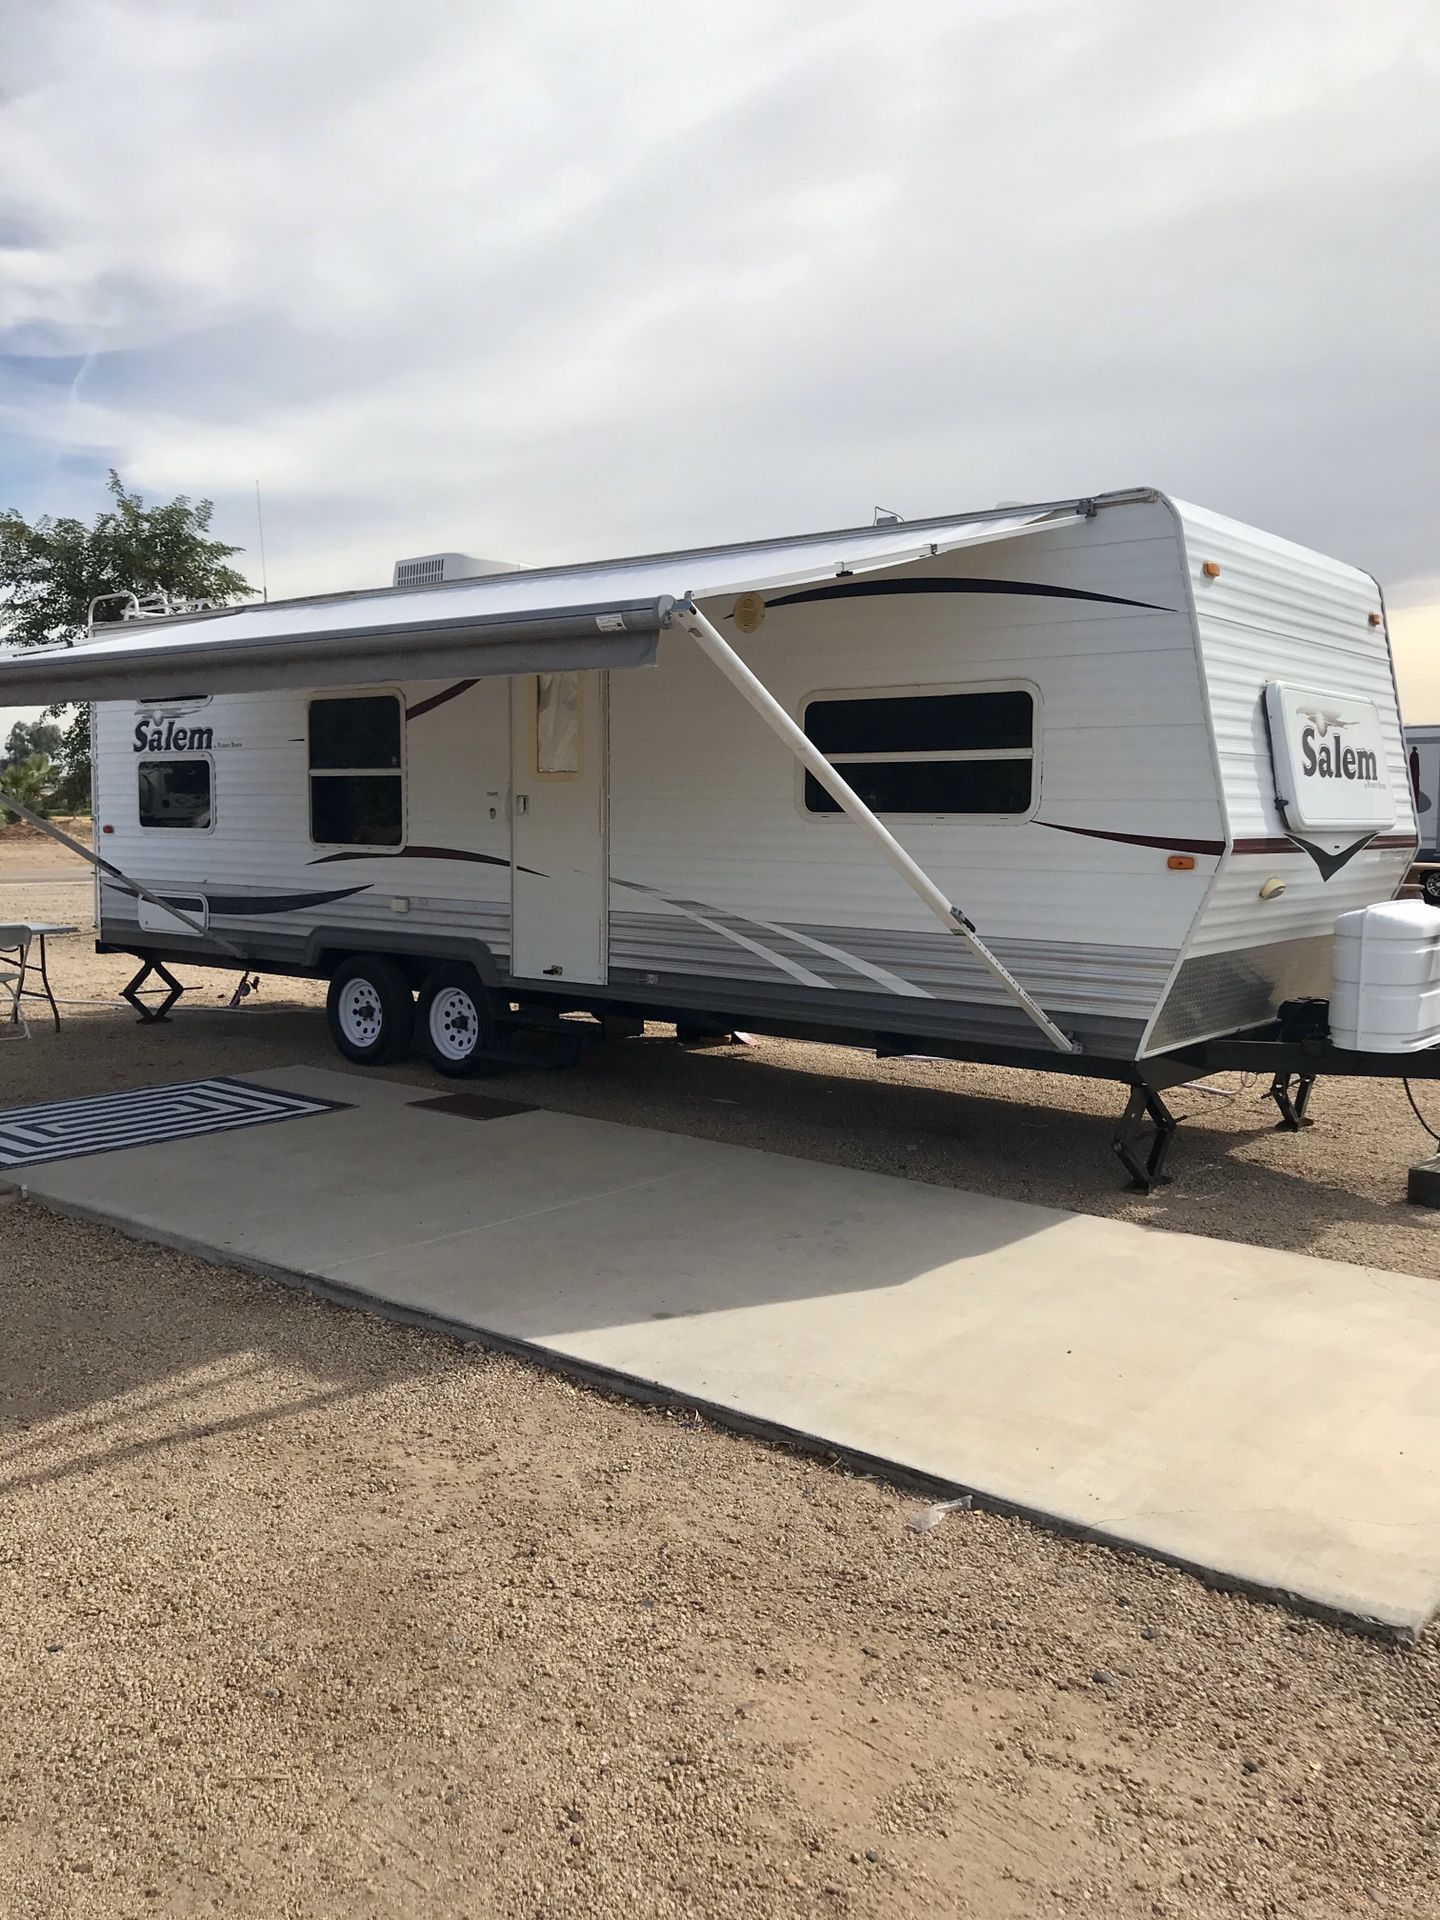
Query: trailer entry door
column 558, row 868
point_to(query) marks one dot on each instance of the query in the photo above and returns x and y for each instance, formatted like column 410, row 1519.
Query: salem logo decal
column 1323, row 720
column 153, row 738
column 1332, row 761
column 1335, row 762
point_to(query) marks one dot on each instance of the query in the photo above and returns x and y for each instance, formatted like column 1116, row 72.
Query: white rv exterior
column 1423, row 745
column 638, row 839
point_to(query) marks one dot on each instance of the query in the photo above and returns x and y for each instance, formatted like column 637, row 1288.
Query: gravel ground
column 306, row 1614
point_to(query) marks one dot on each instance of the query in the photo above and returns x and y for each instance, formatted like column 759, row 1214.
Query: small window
column 927, row 753
column 557, row 724
column 175, row 793
column 356, row 785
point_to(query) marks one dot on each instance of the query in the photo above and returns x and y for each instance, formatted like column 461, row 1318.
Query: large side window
column 356, row 783
column 906, row 753
column 176, row 793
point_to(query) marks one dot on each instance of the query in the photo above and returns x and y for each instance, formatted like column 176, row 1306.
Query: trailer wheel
column 457, row 1026
column 1430, row 889
column 370, row 1010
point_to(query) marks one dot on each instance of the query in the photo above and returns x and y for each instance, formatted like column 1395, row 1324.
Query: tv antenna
column 260, row 524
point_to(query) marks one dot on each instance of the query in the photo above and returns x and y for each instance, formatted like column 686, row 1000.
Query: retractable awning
column 610, row 614
column 235, row 653
column 606, row 614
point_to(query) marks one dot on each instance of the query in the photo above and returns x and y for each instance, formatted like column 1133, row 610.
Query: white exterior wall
column 707, row 812
column 1277, row 612
column 260, row 848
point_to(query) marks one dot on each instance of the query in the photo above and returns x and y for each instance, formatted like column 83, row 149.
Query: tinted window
column 356, row 810
column 921, row 723
column 356, row 793
column 355, row 733
column 175, row 793
column 929, row 786
column 927, row 753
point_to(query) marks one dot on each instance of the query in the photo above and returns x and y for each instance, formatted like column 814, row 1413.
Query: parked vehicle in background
column 1422, row 746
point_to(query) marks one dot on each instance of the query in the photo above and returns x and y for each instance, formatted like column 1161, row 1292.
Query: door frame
column 525, row 776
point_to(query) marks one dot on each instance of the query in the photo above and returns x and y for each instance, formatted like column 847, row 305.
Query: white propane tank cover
column 1385, row 995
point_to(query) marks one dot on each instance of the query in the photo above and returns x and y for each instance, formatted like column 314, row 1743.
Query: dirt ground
column 306, row 1614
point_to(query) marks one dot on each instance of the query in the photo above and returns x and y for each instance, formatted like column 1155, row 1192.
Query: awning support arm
column 714, row 644
column 9, row 802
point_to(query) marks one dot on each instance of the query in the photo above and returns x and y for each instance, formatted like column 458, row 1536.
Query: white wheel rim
column 454, row 1023
column 362, row 1018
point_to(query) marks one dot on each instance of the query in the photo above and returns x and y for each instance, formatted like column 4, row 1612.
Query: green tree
column 51, row 571
column 31, row 781
column 31, row 736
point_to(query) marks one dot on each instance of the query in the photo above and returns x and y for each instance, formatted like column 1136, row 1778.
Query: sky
column 550, row 280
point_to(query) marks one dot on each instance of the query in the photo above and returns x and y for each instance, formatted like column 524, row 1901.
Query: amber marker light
column 1374, row 619
column 1180, row 862
column 1211, row 569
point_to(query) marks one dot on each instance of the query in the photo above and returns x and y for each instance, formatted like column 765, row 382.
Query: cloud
column 542, row 279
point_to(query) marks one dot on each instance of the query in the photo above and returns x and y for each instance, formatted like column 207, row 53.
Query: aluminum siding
column 1275, row 611
column 456, row 770
column 707, row 817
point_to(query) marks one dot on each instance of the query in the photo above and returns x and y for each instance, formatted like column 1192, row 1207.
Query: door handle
column 552, row 970
column 522, row 803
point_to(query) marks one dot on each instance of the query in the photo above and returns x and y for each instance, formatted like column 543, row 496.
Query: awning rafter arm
column 713, row 643
column 8, row 801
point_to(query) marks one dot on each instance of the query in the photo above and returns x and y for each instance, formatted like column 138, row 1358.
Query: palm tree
column 31, row 781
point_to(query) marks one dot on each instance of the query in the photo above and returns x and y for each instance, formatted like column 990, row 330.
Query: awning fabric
column 605, row 614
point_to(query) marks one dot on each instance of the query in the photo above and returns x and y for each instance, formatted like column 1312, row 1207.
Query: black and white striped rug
column 70, row 1129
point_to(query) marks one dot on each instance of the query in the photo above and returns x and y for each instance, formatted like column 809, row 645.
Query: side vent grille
column 435, row 569
column 420, row 573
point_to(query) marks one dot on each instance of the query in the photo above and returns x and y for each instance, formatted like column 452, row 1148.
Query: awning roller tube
column 146, row 667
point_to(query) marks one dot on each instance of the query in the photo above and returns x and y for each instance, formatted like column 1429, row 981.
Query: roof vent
column 434, row 569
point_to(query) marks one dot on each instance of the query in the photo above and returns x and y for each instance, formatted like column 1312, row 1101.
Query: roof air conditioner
column 433, row 569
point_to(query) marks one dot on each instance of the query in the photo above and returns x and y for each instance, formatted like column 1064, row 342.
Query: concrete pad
column 1270, row 1418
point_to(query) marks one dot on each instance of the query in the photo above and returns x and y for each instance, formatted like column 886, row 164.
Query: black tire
column 456, row 1021
column 1430, row 889
column 371, row 1010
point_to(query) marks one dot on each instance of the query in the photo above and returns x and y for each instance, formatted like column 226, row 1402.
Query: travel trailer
column 1423, row 748
column 1078, row 786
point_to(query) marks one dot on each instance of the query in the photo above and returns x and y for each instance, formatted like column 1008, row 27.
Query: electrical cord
column 1418, row 1115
